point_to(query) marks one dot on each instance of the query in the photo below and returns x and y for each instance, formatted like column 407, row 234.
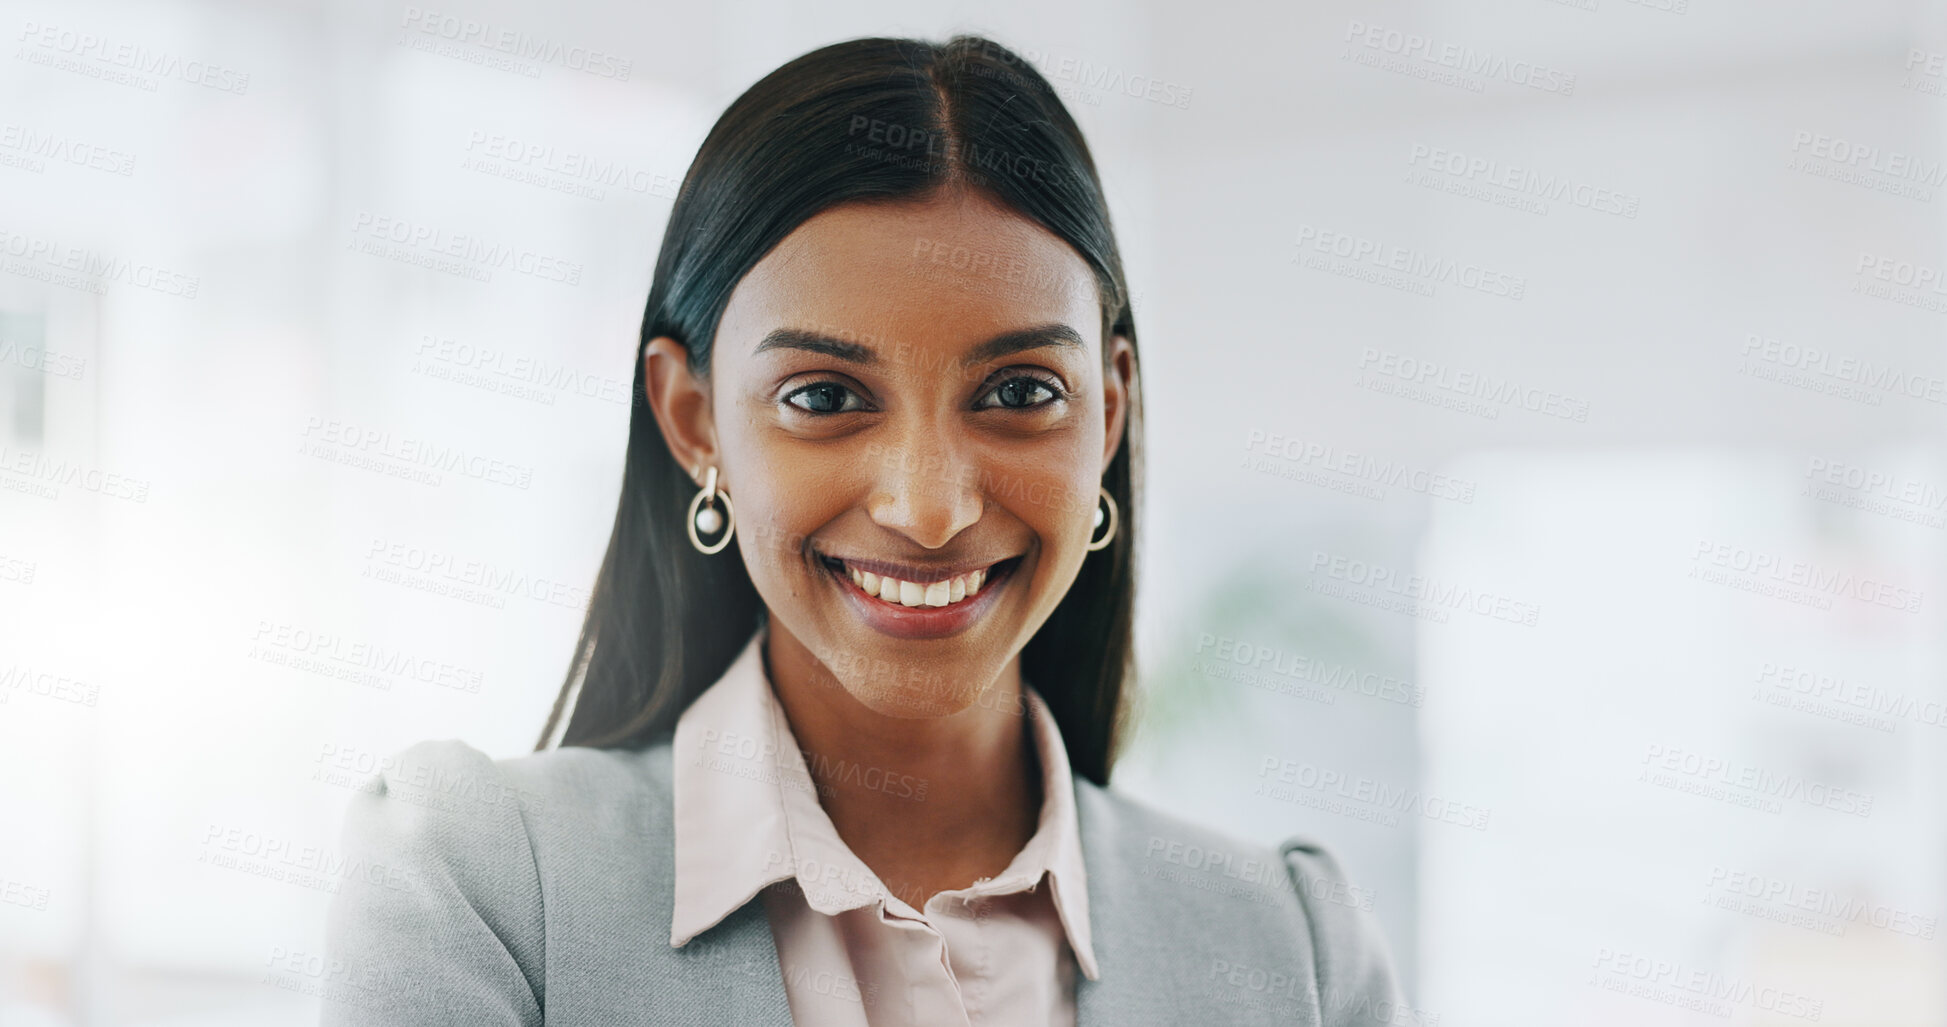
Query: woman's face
column 909, row 398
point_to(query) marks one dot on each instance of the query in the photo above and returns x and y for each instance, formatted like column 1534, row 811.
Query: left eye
column 1020, row 393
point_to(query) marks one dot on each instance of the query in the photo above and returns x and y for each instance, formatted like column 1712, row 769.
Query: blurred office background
column 1547, row 461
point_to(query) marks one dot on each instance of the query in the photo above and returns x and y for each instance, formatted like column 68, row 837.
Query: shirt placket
column 935, row 989
column 968, row 946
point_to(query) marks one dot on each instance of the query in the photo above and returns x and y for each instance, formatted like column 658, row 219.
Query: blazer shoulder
column 1242, row 905
column 440, row 797
column 1153, row 838
column 569, row 771
column 489, row 878
column 1358, row 985
column 1155, row 870
column 445, row 909
column 579, row 801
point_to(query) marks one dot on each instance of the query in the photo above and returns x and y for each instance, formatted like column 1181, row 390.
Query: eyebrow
column 999, row 346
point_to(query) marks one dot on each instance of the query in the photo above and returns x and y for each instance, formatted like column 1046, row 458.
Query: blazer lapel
column 727, row 974
column 1157, row 942
column 1127, row 991
column 738, row 959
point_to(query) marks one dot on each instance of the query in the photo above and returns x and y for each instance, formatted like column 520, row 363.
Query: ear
column 1118, row 389
column 681, row 403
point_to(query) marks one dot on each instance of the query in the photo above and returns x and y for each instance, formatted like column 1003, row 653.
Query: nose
column 928, row 493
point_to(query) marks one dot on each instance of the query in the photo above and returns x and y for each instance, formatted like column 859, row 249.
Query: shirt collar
column 739, row 777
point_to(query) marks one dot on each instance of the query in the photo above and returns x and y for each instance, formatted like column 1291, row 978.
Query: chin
column 920, row 695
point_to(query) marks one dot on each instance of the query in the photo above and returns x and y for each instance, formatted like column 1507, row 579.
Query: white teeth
column 956, row 589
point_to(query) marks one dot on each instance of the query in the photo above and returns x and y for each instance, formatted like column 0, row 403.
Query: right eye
column 825, row 398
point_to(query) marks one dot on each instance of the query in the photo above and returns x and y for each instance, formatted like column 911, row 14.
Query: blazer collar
column 738, row 773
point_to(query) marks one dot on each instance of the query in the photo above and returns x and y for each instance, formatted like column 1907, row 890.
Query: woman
column 822, row 776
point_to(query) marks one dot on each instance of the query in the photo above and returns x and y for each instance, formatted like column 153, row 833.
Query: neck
column 929, row 803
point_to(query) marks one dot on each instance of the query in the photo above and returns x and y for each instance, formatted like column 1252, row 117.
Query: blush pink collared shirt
column 1002, row 951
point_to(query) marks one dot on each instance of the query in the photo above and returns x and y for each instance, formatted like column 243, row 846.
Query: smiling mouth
column 930, row 591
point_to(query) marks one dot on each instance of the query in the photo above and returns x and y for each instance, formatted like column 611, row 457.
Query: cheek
column 778, row 508
column 1053, row 492
column 774, row 532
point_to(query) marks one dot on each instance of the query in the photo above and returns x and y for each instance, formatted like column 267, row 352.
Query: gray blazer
column 539, row 889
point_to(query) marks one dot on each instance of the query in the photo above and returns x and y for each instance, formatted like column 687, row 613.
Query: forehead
column 945, row 272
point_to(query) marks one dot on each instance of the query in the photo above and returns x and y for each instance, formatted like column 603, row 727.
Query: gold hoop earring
column 1107, row 536
column 707, row 519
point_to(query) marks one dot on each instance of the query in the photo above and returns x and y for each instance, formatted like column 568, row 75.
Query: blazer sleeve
column 1357, row 983
column 438, row 920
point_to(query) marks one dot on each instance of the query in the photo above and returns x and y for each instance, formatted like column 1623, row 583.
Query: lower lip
column 901, row 621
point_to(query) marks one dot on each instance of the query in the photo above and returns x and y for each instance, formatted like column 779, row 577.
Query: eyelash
column 1049, row 382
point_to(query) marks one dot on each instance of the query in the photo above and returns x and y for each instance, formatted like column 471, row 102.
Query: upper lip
column 917, row 574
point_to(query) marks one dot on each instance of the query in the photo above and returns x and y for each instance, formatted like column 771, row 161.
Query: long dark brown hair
column 863, row 120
